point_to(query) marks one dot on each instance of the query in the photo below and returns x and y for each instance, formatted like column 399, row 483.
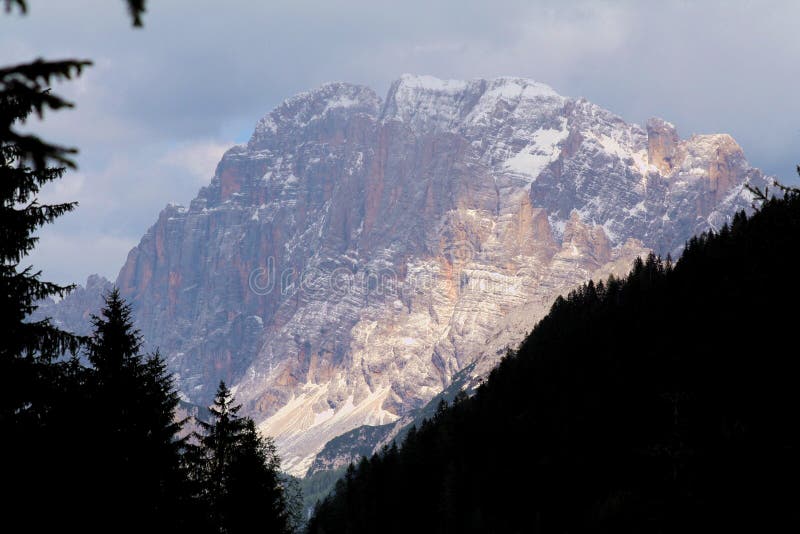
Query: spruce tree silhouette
column 33, row 381
column 241, row 472
column 30, row 373
column 221, row 436
column 136, row 451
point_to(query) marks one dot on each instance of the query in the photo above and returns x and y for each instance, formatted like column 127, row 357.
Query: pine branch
column 136, row 8
column 763, row 196
column 758, row 195
column 23, row 90
column 41, row 72
column 788, row 190
column 20, row 4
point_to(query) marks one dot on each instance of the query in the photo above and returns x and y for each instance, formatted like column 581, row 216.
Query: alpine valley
column 359, row 256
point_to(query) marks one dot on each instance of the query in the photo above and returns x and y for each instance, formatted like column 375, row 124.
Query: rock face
column 350, row 447
column 356, row 253
column 74, row 312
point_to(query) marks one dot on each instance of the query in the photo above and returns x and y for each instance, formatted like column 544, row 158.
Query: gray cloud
column 161, row 103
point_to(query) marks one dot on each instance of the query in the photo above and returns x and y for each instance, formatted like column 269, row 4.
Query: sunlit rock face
column 357, row 252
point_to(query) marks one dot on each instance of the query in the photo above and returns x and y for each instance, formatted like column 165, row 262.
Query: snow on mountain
column 352, row 257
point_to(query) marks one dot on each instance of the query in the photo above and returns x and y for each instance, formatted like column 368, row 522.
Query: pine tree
column 254, row 483
column 40, row 392
column 32, row 378
column 243, row 486
column 136, row 453
column 24, row 346
column 221, row 435
column 164, row 449
column 28, row 383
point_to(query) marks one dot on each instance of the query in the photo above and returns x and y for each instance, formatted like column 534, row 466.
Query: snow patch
column 636, row 159
column 430, row 83
column 637, row 209
column 543, row 150
column 612, row 235
column 267, row 124
column 519, row 88
column 342, row 101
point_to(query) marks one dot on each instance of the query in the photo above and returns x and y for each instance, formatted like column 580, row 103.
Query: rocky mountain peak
column 295, row 114
column 428, row 104
column 348, row 261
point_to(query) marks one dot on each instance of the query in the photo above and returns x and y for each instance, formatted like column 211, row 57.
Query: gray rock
column 73, row 313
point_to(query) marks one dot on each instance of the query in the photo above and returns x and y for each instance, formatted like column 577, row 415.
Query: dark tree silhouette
column 243, row 485
column 31, row 375
column 25, row 346
column 134, row 445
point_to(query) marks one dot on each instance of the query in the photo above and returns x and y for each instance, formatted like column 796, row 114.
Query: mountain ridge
column 356, row 253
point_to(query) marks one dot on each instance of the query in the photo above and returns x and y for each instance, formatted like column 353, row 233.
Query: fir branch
column 20, row 4
column 136, row 8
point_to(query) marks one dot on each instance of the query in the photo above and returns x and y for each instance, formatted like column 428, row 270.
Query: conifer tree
column 27, row 163
column 32, row 378
column 221, row 435
column 41, row 394
column 243, row 485
column 254, row 486
column 136, row 452
column 25, row 346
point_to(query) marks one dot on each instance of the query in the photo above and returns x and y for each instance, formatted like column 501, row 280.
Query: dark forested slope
column 666, row 401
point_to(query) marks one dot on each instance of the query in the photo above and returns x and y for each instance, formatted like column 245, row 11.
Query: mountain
column 366, row 440
column 73, row 313
column 664, row 402
column 357, row 252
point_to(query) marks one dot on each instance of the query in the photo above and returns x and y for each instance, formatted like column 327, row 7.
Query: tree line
column 89, row 440
column 665, row 401
column 92, row 443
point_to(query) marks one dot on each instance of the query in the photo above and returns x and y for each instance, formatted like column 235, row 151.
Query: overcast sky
column 162, row 103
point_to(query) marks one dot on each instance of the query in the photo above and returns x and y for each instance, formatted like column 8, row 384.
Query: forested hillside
column 665, row 401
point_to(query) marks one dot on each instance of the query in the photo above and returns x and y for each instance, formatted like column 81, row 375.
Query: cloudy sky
column 162, row 103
